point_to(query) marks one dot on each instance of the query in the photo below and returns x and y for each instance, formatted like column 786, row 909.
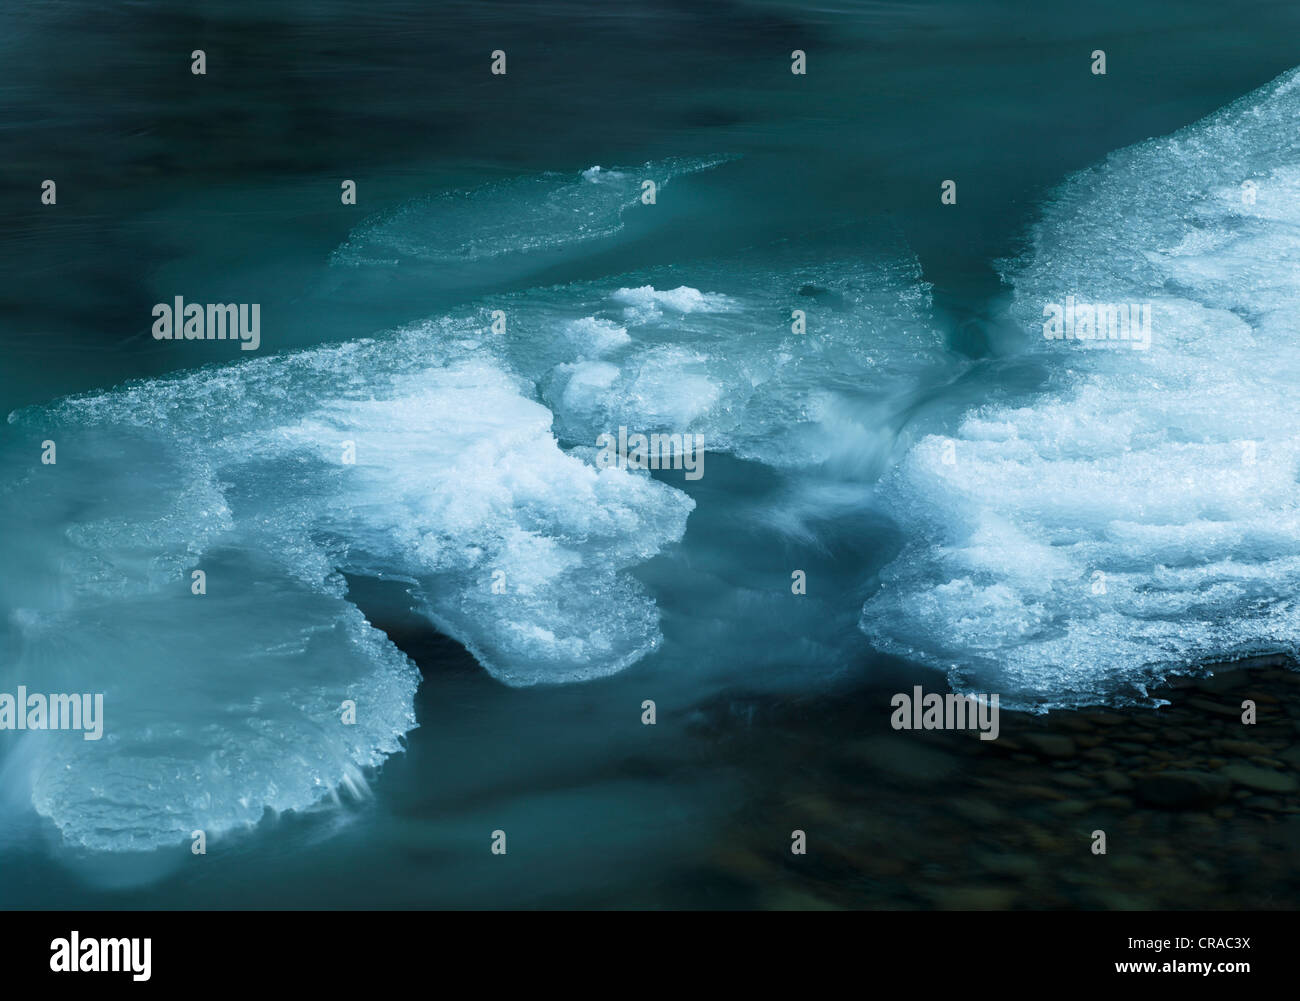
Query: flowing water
column 950, row 482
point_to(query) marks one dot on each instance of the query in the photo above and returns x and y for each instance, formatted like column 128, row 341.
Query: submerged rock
column 1260, row 779
column 1182, row 790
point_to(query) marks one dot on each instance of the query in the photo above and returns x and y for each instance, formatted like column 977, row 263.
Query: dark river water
column 777, row 190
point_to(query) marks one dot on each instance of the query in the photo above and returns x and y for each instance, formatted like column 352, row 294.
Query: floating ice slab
column 1140, row 515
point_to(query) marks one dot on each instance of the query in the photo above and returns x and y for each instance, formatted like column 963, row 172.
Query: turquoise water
column 478, row 193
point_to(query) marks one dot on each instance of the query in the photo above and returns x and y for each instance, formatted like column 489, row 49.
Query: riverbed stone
column 1050, row 745
column 1182, row 790
column 1260, row 779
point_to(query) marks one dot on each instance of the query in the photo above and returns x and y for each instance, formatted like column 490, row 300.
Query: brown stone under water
column 1199, row 810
